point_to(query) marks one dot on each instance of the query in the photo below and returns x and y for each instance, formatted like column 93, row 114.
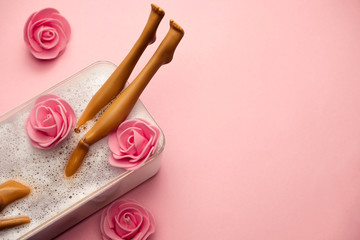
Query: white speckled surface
column 43, row 170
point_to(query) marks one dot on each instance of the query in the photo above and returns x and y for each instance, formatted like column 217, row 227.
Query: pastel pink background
column 260, row 108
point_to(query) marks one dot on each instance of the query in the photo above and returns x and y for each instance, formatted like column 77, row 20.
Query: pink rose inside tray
column 55, row 202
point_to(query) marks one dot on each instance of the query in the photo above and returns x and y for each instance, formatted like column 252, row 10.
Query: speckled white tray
column 56, row 203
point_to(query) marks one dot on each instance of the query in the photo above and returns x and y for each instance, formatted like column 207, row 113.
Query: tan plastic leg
column 77, row 157
column 116, row 82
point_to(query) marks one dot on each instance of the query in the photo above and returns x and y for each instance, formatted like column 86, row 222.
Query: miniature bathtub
column 55, row 202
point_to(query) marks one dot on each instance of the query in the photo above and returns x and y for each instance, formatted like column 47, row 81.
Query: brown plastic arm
column 11, row 191
column 116, row 82
column 123, row 104
column 13, row 222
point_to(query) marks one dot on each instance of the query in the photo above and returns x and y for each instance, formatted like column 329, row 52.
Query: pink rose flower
column 132, row 143
column 50, row 121
column 46, row 33
column 126, row 220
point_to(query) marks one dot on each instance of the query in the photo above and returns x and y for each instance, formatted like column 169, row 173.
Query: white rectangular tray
column 55, row 203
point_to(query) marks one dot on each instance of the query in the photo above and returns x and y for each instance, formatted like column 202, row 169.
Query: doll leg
column 117, row 80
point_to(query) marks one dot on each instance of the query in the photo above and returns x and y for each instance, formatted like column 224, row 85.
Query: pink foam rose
column 50, row 121
column 133, row 142
column 126, row 220
column 46, row 33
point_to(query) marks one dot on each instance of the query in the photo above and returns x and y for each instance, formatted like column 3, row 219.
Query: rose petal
column 50, row 54
column 56, row 120
column 139, row 141
column 113, row 143
column 44, row 13
column 44, row 116
column 128, row 222
column 126, row 140
column 35, row 135
column 107, row 229
column 122, row 163
column 146, row 128
column 47, row 37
